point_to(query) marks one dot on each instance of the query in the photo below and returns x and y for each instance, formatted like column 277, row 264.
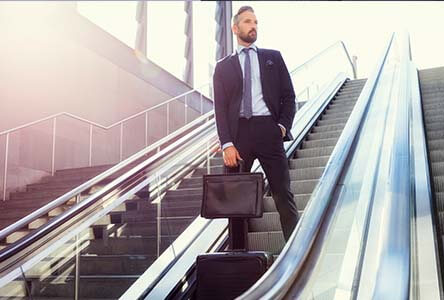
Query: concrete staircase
column 122, row 245
column 306, row 167
column 432, row 94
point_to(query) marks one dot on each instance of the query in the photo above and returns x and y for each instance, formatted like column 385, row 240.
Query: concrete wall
column 53, row 60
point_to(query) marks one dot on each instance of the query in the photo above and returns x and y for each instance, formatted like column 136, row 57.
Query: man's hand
column 231, row 156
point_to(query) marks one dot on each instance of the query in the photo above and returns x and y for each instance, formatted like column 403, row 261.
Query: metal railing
column 312, row 87
column 279, row 278
column 120, row 124
column 90, row 183
column 193, row 147
column 84, row 204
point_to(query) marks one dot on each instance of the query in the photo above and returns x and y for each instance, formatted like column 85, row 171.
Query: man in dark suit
column 255, row 107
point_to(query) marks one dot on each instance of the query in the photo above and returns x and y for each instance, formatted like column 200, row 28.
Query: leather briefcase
column 233, row 195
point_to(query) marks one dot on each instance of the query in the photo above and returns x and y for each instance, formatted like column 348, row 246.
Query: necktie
column 247, row 104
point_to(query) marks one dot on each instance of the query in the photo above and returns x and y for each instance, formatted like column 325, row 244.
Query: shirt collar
column 240, row 48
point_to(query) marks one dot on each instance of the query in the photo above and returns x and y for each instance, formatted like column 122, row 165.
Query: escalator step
column 301, row 201
column 439, row 197
column 309, row 162
column 272, row 241
column 324, row 135
column 437, row 155
column 438, row 182
column 314, row 152
column 303, row 186
column 434, row 112
column 269, row 222
column 435, row 126
column 319, row 143
column 438, row 168
column 306, row 174
column 435, row 135
column 332, row 122
column 328, row 128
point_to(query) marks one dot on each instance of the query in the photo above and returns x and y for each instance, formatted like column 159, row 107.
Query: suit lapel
column 261, row 58
column 236, row 65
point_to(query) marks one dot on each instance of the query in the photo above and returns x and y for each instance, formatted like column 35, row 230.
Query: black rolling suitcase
column 226, row 275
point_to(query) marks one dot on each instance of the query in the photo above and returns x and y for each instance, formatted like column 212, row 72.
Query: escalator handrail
column 318, row 55
column 394, row 247
column 90, row 183
column 14, row 248
column 278, row 279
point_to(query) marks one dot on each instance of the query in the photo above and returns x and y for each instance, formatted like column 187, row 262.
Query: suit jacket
column 277, row 91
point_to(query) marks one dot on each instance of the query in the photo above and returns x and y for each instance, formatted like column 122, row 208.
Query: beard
column 249, row 37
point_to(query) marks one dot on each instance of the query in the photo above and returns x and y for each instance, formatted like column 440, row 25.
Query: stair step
column 324, row 135
column 332, row 122
column 437, row 168
column 90, row 287
column 115, row 264
column 439, row 198
column 436, row 111
column 300, row 199
column 309, row 144
column 269, row 222
column 133, row 246
column 213, row 170
column 309, row 162
column 436, row 155
column 435, row 135
column 435, row 126
column 328, row 128
column 272, row 241
column 303, row 186
column 168, row 226
column 314, row 152
column 306, row 174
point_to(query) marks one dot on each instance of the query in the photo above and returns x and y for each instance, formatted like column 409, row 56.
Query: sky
column 298, row 29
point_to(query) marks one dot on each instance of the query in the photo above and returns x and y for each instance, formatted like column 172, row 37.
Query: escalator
column 117, row 249
column 140, row 218
column 431, row 82
column 307, row 163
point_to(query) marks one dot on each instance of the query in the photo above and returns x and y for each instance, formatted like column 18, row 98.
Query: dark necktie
column 247, row 107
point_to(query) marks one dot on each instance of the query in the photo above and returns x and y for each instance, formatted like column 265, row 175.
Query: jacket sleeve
column 287, row 98
column 221, row 107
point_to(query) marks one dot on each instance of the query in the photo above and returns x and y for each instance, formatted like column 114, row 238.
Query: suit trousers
column 261, row 137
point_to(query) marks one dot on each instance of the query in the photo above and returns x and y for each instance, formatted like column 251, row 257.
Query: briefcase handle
column 239, row 169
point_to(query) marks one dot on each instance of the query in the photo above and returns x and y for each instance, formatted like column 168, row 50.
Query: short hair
column 240, row 11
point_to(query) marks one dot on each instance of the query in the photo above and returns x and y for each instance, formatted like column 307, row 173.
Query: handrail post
column 5, row 175
column 146, row 129
column 54, row 126
column 77, row 258
column 159, row 216
column 186, row 109
column 201, row 103
column 168, row 118
column 90, row 144
column 121, row 142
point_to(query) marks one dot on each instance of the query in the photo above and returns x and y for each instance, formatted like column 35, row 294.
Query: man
column 255, row 106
